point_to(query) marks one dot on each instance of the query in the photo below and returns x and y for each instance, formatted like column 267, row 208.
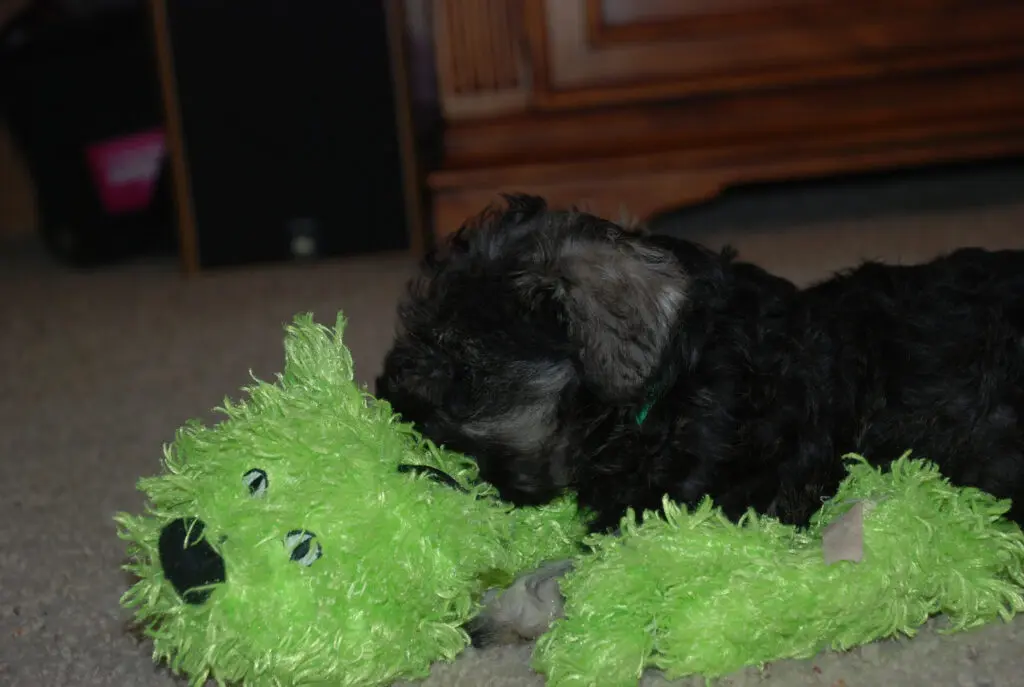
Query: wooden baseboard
column 643, row 186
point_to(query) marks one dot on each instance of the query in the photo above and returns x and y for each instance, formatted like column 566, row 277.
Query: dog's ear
column 620, row 299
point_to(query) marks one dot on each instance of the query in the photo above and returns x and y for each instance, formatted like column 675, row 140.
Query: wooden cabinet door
column 588, row 52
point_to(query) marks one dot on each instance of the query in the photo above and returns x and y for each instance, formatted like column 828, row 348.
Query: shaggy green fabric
column 692, row 594
column 404, row 560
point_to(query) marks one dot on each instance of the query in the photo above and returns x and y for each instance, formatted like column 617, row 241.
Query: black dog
column 565, row 352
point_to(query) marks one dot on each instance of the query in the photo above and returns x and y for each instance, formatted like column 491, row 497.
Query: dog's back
column 931, row 358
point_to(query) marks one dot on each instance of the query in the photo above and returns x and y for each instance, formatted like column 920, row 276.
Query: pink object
column 125, row 169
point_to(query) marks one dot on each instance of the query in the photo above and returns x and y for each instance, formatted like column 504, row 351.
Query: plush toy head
column 293, row 544
column 693, row 594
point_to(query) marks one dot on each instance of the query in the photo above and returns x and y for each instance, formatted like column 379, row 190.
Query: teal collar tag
column 642, row 413
column 653, row 396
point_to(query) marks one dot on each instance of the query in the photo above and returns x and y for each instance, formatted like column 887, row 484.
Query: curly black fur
column 533, row 341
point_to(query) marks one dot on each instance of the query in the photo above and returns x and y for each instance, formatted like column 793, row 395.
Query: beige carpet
column 97, row 370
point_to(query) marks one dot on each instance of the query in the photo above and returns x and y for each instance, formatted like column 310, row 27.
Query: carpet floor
column 97, row 369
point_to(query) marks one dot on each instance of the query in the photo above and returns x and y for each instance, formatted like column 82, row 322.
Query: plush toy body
column 692, row 594
column 303, row 540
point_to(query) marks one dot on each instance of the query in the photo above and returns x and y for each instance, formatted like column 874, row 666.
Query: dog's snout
column 189, row 563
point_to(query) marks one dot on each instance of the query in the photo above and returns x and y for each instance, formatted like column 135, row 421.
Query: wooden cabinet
column 644, row 105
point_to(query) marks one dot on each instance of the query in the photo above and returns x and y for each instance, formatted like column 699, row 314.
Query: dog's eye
column 303, row 548
column 257, row 482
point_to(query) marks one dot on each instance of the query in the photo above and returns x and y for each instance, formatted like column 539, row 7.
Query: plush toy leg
column 592, row 646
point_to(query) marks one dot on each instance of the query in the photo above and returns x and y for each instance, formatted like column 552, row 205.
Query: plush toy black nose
column 189, row 561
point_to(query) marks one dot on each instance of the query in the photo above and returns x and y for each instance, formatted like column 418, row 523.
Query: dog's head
column 527, row 316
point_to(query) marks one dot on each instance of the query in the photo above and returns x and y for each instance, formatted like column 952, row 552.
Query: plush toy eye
column 303, row 547
column 257, row 482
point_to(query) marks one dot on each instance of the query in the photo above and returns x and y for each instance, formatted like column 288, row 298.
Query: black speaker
column 287, row 134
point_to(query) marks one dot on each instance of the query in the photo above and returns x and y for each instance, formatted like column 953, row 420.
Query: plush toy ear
column 620, row 301
column 315, row 354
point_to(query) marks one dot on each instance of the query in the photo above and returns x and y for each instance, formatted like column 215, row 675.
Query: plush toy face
column 292, row 544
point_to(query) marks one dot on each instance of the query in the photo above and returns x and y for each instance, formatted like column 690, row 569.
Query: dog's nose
column 189, row 562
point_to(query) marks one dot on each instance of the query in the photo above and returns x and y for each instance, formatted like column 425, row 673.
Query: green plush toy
column 305, row 539
column 311, row 538
column 693, row 594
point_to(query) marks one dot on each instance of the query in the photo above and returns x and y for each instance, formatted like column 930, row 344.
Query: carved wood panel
column 590, row 52
column 480, row 57
column 631, row 21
